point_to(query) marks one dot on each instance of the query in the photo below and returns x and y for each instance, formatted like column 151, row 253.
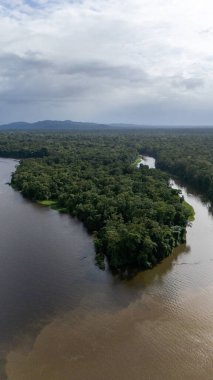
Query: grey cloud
column 104, row 69
column 30, row 78
column 12, row 64
column 128, row 60
column 188, row 83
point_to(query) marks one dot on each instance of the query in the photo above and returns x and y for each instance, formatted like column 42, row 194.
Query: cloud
column 188, row 83
column 105, row 70
column 92, row 59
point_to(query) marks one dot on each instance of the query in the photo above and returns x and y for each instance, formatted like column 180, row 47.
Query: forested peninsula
column 136, row 218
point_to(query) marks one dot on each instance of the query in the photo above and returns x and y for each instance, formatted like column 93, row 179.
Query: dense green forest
column 188, row 156
column 134, row 215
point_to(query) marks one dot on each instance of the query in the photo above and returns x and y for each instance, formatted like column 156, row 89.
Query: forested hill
column 53, row 125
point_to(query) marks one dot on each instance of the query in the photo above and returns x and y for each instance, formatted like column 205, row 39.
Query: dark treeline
column 22, row 145
column 189, row 157
column 135, row 217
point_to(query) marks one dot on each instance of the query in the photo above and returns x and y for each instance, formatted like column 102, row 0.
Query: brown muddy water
column 64, row 319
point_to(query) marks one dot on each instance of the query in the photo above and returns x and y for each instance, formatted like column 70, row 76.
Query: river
column 62, row 318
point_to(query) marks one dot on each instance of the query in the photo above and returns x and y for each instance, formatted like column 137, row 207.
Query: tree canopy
column 136, row 218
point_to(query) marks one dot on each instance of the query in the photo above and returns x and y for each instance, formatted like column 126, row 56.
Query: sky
column 124, row 61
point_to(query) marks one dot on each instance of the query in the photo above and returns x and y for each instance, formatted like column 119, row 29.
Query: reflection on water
column 156, row 326
column 146, row 160
column 157, row 274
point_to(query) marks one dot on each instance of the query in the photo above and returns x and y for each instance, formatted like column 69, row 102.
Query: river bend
column 64, row 319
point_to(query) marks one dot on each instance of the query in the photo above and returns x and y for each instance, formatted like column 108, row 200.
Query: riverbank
column 53, row 204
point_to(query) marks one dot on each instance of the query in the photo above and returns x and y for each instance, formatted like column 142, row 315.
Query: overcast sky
column 133, row 61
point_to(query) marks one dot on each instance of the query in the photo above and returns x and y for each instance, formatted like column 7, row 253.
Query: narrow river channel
column 64, row 319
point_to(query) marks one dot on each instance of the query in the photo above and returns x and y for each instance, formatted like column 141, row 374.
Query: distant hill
column 82, row 126
column 53, row 125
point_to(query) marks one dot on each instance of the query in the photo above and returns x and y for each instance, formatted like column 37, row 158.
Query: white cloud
column 134, row 61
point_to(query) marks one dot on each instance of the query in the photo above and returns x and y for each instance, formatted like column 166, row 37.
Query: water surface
column 64, row 319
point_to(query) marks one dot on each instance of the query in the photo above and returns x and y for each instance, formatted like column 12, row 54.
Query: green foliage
column 185, row 154
column 189, row 211
column 134, row 215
